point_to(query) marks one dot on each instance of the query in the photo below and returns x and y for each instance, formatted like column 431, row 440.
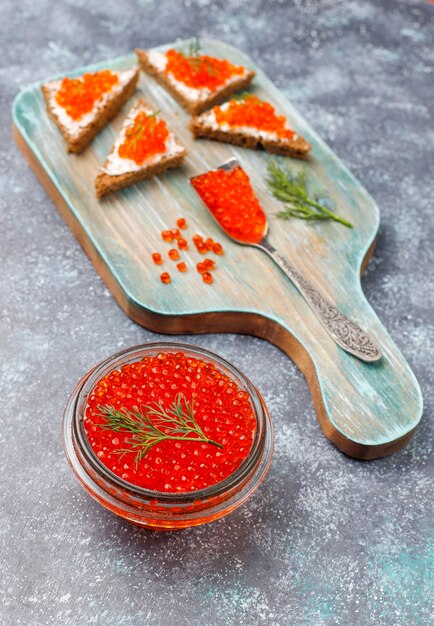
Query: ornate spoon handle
column 345, row 333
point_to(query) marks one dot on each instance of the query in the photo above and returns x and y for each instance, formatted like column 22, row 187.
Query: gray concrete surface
column 327, row 540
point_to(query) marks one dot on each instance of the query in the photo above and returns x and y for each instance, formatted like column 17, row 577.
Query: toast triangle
column 79, row 133
column 206, row 126
column 194, row 101
column 118, row 173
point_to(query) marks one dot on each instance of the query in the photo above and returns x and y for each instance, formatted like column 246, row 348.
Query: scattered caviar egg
column 207, row 278
column 173, row 254
column 156, row 257
column 182, row 244
column 201, row 268
column 201, row 247
column 175, row 233
column 252, row 112
column 171, row 384
column 209, row 243
column 209, row 264
column 217, row 248
column 79, row 95
column 229, row 196
column 167, row 235
column 165, row 278
column 197, row 239
column 181, row 266
column 144, row 137
column 200, row 71
column 181, row 223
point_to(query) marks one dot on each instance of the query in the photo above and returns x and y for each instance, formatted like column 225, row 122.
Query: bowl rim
column 133, row 354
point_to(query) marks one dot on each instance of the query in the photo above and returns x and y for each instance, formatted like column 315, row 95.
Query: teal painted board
column 368, row 410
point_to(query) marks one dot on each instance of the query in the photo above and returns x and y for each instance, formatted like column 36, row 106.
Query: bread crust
column 105, row 183
column 298, row 148
column 193, row 107
column 77, row 143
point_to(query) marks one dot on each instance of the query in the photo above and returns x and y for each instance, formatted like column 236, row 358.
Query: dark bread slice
column 105, row 184
column 297, row 147
column 193, row 107
column 77, row 143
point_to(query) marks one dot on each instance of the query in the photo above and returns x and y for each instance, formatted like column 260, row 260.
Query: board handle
column 346, row 333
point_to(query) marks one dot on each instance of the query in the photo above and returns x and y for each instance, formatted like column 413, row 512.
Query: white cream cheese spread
column 209, row 119
column 115, row 165
column 159, row 61
column 74, row 127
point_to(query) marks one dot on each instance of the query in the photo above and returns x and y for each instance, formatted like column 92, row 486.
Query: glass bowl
column 153, row 509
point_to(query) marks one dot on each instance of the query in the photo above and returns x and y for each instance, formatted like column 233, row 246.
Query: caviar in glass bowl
column 167, row 435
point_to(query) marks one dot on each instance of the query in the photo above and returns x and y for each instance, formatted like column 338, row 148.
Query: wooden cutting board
column 367, row 410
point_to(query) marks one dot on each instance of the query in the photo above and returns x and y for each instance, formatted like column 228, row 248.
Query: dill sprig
column 135, row 133
column 243, row 95
column 195, row 47
column 176, row 423
column 154, row 114
column 194, row 57
column 292, row 189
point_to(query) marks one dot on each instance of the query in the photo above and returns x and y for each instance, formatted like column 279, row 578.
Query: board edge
column 212, row 322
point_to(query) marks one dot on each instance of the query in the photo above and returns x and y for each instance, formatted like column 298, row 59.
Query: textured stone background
column 327, row 540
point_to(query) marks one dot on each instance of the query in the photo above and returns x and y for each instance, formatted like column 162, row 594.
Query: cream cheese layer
column 209, row 119
column 115, row 165
column 74, row 127
column 159, row 61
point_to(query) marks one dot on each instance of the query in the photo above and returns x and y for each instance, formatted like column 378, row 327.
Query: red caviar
column 181, row 266
column 145, row 137
column 201, row 268
column 165, row 278
column 173, row 254
column 182, row 244
column 167, row 235
column 201, row 71
column 156, row 257
column 217, row 248
column 79, row 95
column 175, row 233
column 221, row 409
column 209, row 264
column 181, row 223
column 230, row 198
column 207, row 278
column 255, row 113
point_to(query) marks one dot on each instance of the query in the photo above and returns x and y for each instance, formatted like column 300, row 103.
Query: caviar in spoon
column 228, row 194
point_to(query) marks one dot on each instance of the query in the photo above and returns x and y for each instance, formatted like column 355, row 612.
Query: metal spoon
column 346, row 333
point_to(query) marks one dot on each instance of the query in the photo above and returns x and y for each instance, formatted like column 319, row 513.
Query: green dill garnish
column 177, row 423
column 292, row 189
column 135, row 132
column 194, row 57
column 195, row 47
column 154, row 114
column 243, row 95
